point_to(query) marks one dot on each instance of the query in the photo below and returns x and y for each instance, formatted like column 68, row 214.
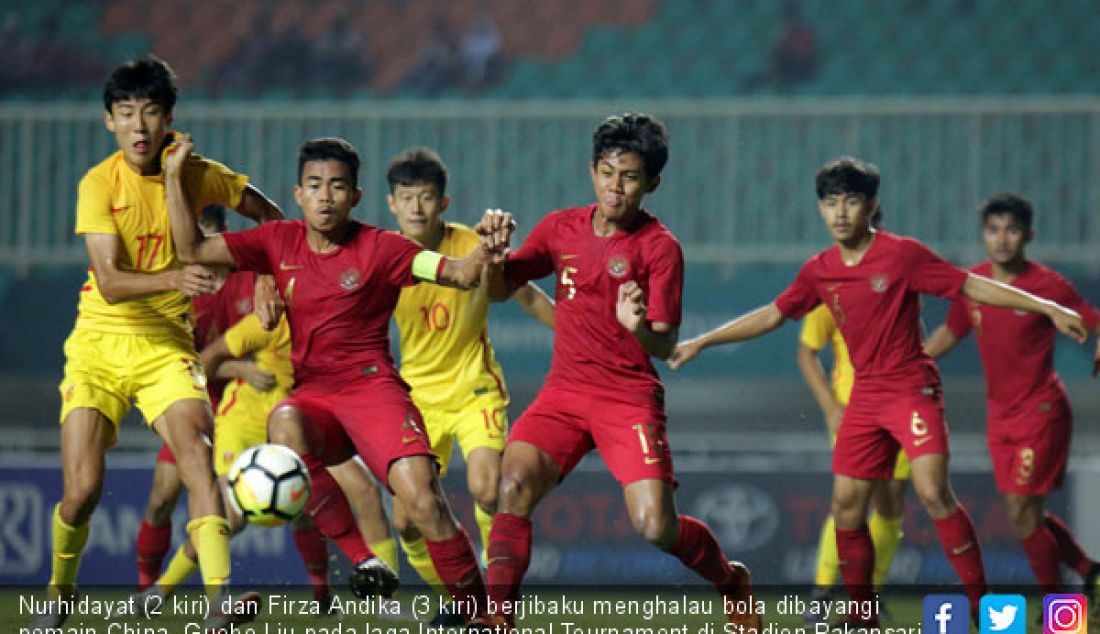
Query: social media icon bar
column 946, row 614
column 1065, row 614
column 1003, row 614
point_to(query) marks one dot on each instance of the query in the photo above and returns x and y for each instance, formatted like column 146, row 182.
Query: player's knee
column 424, row 510
column 654, row 527
column 514, row 493
column 935, row 496
column 485, row 492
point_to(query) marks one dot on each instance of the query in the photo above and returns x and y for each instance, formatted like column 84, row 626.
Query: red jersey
column 592, row 351
column 214, row 314
column 876, row 304
column 338, row 303
column 1017, row 347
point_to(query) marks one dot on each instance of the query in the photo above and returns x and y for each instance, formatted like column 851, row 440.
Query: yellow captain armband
column 427, row 265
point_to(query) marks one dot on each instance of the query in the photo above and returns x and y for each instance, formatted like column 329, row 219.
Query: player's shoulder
column 983, row 268
column 1046, row 275
column 105, row 173
column 459, row 233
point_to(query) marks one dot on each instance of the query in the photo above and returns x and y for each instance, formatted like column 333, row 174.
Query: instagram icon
column 1065, row 614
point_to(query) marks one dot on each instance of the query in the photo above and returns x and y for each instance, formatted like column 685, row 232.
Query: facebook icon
column 946, row 614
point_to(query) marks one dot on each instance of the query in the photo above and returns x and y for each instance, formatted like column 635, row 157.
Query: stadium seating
column 579, row 48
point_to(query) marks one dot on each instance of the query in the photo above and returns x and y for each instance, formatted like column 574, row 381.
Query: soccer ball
column 269, row 485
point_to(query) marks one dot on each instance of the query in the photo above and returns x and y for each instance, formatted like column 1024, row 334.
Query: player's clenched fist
column 496, row 227
column 630, row 306
column 178, row 152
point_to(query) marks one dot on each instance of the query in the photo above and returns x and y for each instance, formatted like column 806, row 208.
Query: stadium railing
column 738, row 187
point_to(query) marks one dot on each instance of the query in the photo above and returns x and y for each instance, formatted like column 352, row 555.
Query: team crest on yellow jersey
column 349, row 280
column 618, row 266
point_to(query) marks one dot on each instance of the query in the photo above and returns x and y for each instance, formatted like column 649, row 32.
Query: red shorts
column 567, row 424
column 165, row 454
column 878, row 422
column 1030, row 449
column 374, row 418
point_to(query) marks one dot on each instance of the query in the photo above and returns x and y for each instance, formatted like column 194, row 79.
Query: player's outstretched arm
column 533, row 300
column 191, row 245
column 116, row 285
column 748, row 326
column 809, row 364
column 987, row 291
column 940, row 342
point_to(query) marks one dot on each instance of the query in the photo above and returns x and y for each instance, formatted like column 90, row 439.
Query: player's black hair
column 634, row 132
column 1008, row 203
column 417, row 165
column 214, row 214
column 847, row 175
column 147, row 77
column 329, row 149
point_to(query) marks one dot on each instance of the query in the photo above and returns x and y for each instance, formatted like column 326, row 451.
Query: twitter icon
column 1003, row 614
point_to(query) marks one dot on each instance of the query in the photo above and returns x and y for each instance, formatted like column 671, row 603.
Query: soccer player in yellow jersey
column 132, row 338
column 446, row 355
column 819, row 330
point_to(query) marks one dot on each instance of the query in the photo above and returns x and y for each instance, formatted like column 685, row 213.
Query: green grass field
column 564, row 611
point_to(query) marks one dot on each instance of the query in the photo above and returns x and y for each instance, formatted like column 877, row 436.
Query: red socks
column 509, row 555
column 1069, row 551
column 1042, row 554
column 331, row 514
column 152, row 545
column 961, row 546
column 456, row 564
column 699, row 550
column 856, row 555
column 311, row 545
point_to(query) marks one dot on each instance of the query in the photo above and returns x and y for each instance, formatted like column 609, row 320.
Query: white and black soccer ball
column 269, row 484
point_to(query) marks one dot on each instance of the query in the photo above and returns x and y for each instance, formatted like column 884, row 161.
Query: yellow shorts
column 105, row 370
column 483, row 424
column 903, row 470
column 241, row 421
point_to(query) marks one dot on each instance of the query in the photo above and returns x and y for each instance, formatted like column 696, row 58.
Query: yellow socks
column 827, row 556
column 179, row 570
column 886, row 536
column 210, row 535
column 68, row 546
column 484, row 524
column 417, row 553
column 386, row 550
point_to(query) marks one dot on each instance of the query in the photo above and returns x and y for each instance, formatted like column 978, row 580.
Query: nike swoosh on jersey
column 568, row 256
column 121, row 209
column 920, row 441
column 283, row 266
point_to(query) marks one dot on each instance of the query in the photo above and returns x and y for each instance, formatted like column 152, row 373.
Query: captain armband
column 428, row 265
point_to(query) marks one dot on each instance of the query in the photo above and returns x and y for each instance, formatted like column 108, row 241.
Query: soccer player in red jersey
column 872, row 280
column 341, row 279
column 1029, row 418
column 619, row 278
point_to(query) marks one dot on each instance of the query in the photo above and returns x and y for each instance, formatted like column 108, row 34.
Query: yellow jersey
column 270, row 348
column 446, row 355
column 114, row 199
column 818, row 329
